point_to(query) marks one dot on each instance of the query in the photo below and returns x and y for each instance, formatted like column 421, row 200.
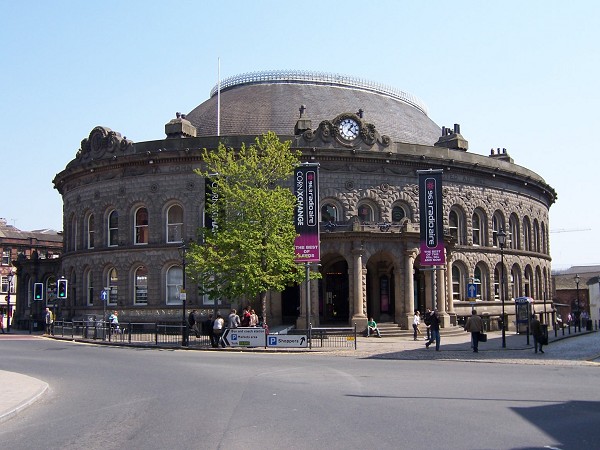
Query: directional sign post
column 287, row 340
column 245, row 337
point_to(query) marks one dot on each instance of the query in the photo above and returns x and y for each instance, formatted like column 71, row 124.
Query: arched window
column 91, row 228
column 141, row 226
column 141, row 285
column 51, row 287
column 526, row 234
column 456, row 225
column 480, row 279
column 497, row 224
column 365, row 213
column 515, row 279
column 528, row 282
column 497, row 278
column 536, row 236
column 113, row 228
column 458, row 282
column 477, row 226
column 175, row 224
column 538, row 283
column 513, row 238
column 111, row 282
column 398, row 213
column 174, row 284
column 89, row 287
column 544, row 239
column 329, row 213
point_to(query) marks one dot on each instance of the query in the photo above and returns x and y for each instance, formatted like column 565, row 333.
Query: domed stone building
column 128, row 206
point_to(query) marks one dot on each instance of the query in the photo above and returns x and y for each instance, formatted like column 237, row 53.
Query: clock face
column 348, row 129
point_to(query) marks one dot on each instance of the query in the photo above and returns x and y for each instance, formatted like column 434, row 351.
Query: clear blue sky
column 520, row 75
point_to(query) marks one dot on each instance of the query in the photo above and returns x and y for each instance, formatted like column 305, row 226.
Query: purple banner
column 306, row 215
column 432, row 221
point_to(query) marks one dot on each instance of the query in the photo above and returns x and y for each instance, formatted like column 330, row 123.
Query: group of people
column 214, row 327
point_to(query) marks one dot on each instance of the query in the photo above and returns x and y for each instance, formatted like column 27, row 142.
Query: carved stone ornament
column 102, row 140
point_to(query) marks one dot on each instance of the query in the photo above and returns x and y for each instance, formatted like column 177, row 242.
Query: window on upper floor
column 366, row 213
column 6, row 257
column 513, row 235
column 329, row 213
column 113, row 228
column 398, row 213
column 141, row 226
column 456, row 225
column 497, row 225
column 91, row 228
column 477, row 226
column 174, row 224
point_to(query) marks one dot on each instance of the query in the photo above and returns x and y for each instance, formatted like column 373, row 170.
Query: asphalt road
column 103, row 397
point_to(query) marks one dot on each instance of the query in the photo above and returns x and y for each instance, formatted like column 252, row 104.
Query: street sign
column 287, row 340
column 245, row 337
column 471, row 290
column 104, row 295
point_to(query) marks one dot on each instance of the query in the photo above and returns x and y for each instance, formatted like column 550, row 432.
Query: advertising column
column 432, row 228
column 306, row 219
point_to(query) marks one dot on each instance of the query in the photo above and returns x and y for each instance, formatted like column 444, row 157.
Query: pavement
column 568, row 349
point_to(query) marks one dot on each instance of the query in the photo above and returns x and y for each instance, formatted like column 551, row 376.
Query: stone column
column 406, row 316
column 359, row 285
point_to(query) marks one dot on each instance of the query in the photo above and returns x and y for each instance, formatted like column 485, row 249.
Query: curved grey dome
column 254, row 103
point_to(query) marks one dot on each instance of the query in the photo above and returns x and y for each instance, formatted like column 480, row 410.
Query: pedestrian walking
column 537, row 333
column 474, row 326
column 49, row 321
column 218, row 326
column 416, row 322
column 193, row 323
column 427, row 320
column 434, row 330
column 2, row 321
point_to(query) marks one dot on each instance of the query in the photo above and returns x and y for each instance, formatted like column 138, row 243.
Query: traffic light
column 38, row 291
column 62, row 288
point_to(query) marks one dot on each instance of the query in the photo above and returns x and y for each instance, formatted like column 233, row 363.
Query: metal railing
column 160, row 333
column 343, row 337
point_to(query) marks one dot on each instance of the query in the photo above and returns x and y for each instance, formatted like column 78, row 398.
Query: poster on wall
column 306, row 214
column 432, row 221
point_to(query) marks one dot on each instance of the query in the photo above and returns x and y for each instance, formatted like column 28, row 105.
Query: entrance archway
column 333, row 293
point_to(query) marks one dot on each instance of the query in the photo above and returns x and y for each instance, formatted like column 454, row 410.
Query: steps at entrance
column 391, row 329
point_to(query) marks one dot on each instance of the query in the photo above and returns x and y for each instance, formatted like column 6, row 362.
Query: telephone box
column 523, row 311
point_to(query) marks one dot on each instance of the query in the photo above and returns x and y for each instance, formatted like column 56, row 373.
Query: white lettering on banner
column 300, row 198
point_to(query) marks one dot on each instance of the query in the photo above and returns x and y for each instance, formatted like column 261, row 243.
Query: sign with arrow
column 287, row 340
column 471, row 290
column 245, row 337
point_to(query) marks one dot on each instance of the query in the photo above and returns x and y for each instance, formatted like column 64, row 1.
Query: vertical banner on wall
column 432, row 221
column 211, row 216
column 306, row 214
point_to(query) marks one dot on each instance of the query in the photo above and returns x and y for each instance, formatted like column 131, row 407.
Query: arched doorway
column 381, row 298
column 333, row 293
column 290, row 304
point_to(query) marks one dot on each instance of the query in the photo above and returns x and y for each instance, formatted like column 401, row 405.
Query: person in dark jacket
column 434, row 321
column 536, row 332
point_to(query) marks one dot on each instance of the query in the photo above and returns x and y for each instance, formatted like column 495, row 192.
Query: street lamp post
column 9, row 277
column 577, row 312
column 501, row 243
column 184, row 334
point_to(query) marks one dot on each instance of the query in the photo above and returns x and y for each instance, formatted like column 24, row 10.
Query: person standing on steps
column 416, row 322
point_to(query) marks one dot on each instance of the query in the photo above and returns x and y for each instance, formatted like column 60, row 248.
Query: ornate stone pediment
column 101, row 141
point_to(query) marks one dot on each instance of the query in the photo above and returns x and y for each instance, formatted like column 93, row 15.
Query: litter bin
column 589, row 325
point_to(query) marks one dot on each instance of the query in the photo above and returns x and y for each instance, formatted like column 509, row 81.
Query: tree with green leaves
column 251, row 251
